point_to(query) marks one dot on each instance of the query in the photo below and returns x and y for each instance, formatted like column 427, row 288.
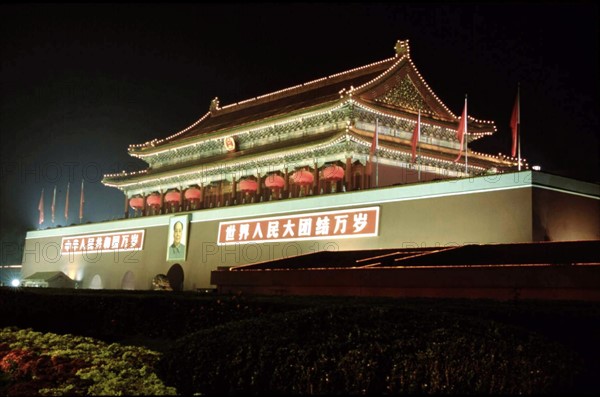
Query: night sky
column 79, row 83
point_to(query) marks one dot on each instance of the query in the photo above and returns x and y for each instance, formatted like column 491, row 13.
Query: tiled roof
column 284, row 102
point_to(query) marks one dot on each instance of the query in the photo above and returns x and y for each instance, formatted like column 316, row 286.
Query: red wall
column 491, row 282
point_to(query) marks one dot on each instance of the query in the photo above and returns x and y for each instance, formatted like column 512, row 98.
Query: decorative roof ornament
column 404, row 94
column 214, row 105
column 402, row 48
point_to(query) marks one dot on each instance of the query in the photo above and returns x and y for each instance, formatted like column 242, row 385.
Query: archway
column 96, row 282
column 175, row 276
column 128, row 281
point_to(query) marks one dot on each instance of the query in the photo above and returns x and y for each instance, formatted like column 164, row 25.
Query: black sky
column 79, row 83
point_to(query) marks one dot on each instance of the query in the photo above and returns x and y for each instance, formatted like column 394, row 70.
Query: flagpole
column 466, row 138
column 519, row 145
column 81, row 200
column 67, row 203
column 53, row 203
column 466, row 155
column 418, row 145
column 519, row 124
column 376, row 155
column 41, row 209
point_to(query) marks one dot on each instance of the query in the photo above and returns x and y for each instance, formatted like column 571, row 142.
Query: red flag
column 53, row 203
column 416, row 138
column 41, row 208
column 462, row 130
column 81, row 201
column 515, row 120
column 67, row 203
column 374, row 144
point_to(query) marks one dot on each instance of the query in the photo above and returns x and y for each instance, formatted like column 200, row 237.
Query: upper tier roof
column 380, row 82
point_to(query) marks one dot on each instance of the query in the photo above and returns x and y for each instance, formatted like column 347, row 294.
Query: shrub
column 367, row 350
column 114, row 315
column 35, row 363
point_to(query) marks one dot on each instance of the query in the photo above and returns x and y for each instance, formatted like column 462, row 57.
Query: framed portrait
column 177, row 238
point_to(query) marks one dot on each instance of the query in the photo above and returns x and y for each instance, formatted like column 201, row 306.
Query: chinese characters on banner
column 362, row 222
column 109, row 242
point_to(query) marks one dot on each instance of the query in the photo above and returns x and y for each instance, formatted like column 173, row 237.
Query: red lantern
column 303, row 178
column 137, row 203
column 274, row 181
column 332, row 173
column 248, row 185
column 173, row 197
column 153, row 200
column 193, row 194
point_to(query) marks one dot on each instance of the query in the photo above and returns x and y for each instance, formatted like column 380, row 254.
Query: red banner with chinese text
column 362, row 222
column 109, row 242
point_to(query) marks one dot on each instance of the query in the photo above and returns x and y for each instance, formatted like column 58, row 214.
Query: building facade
column 310, row 139
column 330, row 164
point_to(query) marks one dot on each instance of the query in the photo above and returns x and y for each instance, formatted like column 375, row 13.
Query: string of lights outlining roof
column 408, row 153
column 329, row 110
column 323, row 79
column 369, row 108
column 228, row 132
column 159, row 141
column 346, row 99
column 352, row 89
column 266, row 158
column 407, row 58
column 366, row 107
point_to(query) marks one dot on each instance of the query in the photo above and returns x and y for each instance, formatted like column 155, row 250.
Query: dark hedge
column 361, row 349
column 373, row 337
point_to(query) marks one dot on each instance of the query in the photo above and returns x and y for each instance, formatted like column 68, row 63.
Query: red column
column 348, row 171
column 259, row 190
column 316, row 179
column 366, row 180
column 233, row 191
column 286, row 186
column 183, row 204
column 126, row 206
column 180, row 199
column 220, row 194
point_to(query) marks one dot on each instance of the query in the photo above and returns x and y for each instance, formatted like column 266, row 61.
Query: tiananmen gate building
column 326, row 165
